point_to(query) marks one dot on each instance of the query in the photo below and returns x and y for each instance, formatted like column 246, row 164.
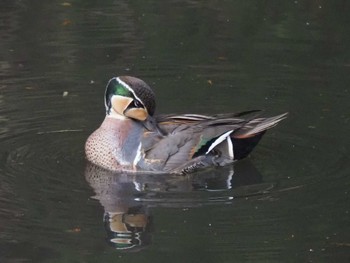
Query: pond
column 287, row 202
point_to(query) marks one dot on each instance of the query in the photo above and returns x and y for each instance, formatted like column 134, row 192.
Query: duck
column 133, row 139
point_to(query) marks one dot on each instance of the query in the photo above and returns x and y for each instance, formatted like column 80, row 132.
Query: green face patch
column 120, row 90
column 115, row 88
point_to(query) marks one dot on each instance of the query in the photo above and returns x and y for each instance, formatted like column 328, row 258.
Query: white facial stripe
column 106, row 93
column 130, row 89
column 113, row 114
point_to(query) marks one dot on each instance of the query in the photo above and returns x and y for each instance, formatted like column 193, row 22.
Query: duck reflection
column 127, row 198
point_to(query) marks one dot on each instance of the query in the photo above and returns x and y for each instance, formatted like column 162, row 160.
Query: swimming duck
column 132, row 139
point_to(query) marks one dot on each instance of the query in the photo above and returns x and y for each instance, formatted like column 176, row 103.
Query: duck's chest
column 115, row 145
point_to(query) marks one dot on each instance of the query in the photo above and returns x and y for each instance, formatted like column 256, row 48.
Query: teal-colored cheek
column 122, row 91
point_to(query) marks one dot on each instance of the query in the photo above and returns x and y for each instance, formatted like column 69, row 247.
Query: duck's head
column 129, row 97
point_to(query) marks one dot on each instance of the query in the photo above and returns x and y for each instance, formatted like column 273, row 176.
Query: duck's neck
column 114, row 115
column 120, row 142
column 126, row 135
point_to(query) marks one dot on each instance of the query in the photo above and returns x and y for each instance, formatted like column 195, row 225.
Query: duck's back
column 193, row 141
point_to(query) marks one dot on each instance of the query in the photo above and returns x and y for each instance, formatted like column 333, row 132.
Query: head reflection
column 128, row 198
column 127, row 230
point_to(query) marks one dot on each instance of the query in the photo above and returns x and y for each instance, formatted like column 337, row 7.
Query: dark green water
column 288, row 202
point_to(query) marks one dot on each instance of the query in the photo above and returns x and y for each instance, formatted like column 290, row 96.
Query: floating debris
column 66, row 22
column 59, row 131
column 66, row 4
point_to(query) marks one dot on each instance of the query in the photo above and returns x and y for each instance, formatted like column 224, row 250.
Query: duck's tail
column 247, row 137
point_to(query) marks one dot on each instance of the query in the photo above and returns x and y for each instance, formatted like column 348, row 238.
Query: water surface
column 288, row 202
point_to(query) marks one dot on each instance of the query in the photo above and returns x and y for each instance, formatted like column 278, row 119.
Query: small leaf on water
column 66, row 4
column 74, row 230
column 66, row 22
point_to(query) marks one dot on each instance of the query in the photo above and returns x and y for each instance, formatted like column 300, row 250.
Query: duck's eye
column 137, row 104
